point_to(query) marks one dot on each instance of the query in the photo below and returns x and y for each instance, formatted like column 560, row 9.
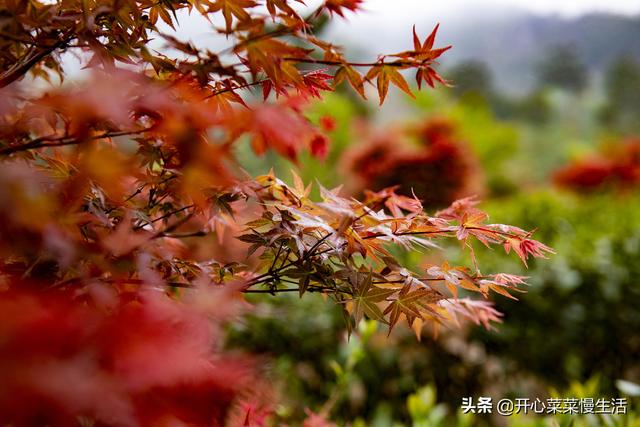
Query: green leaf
column 366, row 298
column 303, row 284
column 409, row 304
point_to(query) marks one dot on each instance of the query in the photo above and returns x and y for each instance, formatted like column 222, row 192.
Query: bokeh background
column 542, row 121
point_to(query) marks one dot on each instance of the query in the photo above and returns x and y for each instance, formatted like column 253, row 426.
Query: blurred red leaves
column 339, row 6
column 132, row 359
column 279, row 127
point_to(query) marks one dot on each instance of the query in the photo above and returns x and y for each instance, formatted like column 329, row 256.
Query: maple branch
column 245, row 86
column 239, row 87
column 197, row 233
column 274, row 274
column 418, row 233
column 426, row 279
column 44, row 142
column 499, row 232
column 421, row 279
column 76, row 280
column 275, row 259
column 282, row 31
column 403, row 233
column 138, row 191
column 316, row 245
column 312, row 61
column 275, row 290
column 13, row 37
column 23, row 66
column 355, row 64
column 160, row 218
column 168, row 231
column 276, row 33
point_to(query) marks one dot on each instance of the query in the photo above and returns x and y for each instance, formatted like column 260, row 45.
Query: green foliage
column 305, row 337
column 534, row 108
column 366, row 380
column 622, row 86
column 580, row 315
column 471, row 77
column 426, row 412
column 562, row 67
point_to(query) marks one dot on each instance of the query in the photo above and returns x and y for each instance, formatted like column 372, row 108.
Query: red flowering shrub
column 616, row 168
column 438, row 171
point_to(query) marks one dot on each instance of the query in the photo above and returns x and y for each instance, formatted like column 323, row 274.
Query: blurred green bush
column 580, row 317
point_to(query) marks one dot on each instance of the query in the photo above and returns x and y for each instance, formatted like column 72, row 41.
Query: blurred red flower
column 438, row 170
column 618, row 167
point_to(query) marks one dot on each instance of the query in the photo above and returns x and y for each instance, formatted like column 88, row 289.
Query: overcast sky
column 408, row 8
column 407, row 12
column 376, row 27
column 387, row 15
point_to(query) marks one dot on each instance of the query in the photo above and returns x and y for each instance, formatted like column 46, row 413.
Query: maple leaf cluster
column 339, row 247
column 617, row 168
column 125, row 183
column 443, row 169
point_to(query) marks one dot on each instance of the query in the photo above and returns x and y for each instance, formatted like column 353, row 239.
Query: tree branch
column 23, row 66
column 160, row 218
column 274, row 291
column 44, row 142
column 396, row 63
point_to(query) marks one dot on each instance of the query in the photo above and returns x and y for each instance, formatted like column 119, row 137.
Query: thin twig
column 160, row 218
column 25, row 64
column 47, row 141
